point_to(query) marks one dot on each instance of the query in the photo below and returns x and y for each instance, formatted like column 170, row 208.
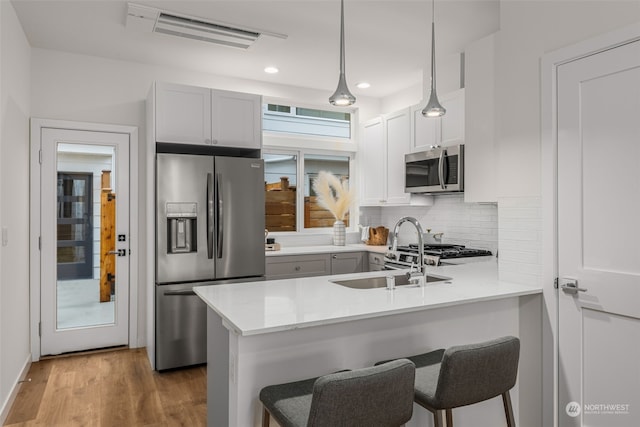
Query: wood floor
column 115, row 388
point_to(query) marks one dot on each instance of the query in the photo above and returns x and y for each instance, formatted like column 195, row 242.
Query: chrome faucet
column 418, row 274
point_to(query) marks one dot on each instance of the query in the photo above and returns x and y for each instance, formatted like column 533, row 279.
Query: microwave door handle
column 219, row 216
column 441, row 169
column 210, row 216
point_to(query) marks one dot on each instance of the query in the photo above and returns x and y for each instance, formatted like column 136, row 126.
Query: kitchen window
column 291, row 203
column 298, row 143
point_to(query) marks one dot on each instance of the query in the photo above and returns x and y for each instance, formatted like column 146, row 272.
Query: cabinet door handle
column 335, row 257
column 297, row 268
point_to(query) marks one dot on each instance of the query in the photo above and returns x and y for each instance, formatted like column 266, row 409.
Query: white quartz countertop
column 325, row 249
column 278, row 305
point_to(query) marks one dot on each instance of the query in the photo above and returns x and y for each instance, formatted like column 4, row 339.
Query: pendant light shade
column 433, row 108
column 342, row 97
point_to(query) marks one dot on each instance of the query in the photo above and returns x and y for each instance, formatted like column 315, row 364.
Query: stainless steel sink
column 381, row 281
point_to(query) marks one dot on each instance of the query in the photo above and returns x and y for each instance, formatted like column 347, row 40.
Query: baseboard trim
column 6, row 405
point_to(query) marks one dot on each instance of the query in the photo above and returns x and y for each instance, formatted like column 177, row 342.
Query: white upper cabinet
column 480, row 153
column 195, row 115
column 237, row 119
column 428, row 132
column 398, row 136
column 183, row 114
column 372, row 151
column 385, row 140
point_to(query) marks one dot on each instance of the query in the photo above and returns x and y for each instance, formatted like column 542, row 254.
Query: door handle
column 441, row 169
column 210, row 215
column 119, row 252
column 219, row 216
column 570, row 286
column 179, row 293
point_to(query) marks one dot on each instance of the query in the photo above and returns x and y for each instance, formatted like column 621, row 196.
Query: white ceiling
column 387, row 41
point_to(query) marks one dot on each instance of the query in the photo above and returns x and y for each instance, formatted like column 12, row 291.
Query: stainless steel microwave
column 439, row 170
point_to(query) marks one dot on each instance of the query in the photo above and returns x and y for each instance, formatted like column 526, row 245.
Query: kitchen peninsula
column 276, row 331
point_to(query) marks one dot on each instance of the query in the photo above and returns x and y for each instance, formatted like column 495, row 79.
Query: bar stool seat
column 466, row 374
column 378, row 396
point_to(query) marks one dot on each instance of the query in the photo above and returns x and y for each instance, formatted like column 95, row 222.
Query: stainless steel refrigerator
column 209, row 230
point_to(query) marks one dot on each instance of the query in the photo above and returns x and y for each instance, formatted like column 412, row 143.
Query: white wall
column 528, row 30
column 447, row 80
column 14, row 203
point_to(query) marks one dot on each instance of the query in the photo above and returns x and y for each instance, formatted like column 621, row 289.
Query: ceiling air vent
column 148, row 19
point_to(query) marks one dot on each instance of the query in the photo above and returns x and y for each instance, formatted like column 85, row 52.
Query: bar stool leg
column 449, row 418
column 437, row 418
column 508, row 410
column 265, row 417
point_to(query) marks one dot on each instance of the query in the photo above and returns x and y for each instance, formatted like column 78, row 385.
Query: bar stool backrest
column 378, row 396
column 477, row 372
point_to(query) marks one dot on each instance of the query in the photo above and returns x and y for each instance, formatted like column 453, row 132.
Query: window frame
column 300, row 189
column 300, row 144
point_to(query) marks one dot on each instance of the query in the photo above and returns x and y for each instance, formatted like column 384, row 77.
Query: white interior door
column 84, row 240
column 598, row 235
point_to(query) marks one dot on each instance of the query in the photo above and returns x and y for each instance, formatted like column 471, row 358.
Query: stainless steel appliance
column 439, row 170
column 209, row 230
column 434, row 254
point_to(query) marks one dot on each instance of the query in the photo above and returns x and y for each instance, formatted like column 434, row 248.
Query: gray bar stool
column 378, row 396
column 467, row 374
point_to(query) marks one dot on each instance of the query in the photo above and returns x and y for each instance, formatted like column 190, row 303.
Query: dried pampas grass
column 333, row 195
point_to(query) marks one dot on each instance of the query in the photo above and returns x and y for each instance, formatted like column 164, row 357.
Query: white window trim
column 301, row 144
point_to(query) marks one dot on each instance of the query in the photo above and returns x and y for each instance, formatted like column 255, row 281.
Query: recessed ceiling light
column 363, row 85
column 271, row 70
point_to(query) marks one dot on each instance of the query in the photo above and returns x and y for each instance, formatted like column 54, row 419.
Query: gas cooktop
column 445, row 251
column 405, row 256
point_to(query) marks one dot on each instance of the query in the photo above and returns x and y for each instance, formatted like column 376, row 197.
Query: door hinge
column 40, row 156
column 39, row 243
column 39, row 329
column 555, row 283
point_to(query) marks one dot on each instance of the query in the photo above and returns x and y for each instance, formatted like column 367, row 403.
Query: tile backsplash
column 520, row 240
column 471, row 224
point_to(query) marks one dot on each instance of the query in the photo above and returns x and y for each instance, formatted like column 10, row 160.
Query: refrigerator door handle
column 210, row 221
column 219, row 216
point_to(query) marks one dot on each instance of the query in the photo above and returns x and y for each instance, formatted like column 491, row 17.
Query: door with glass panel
column 84, row 243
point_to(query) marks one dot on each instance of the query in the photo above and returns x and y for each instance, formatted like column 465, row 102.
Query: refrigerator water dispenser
column 181, row 227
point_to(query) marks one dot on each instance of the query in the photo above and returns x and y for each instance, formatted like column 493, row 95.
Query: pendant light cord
column 342, row 37
column 433, row 45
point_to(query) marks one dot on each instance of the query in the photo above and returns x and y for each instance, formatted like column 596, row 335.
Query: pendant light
column 433, row 108
column 342, row 97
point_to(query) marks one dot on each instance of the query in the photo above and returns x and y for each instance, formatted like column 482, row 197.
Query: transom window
column 306, row 121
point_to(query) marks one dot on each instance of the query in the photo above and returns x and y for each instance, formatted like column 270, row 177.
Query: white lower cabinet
column 308, row 265
column 376, row 261
column 347, row 262
column 291, row 266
